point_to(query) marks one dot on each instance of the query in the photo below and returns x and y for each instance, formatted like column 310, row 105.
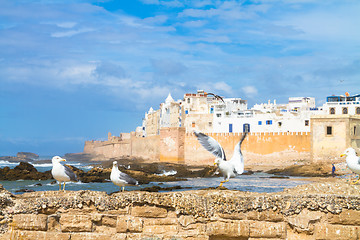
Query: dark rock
column 24, row 171
column 24, row 190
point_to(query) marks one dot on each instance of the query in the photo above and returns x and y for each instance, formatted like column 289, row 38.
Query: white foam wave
column 42, row 165
column 168, row 173
column 7, row 163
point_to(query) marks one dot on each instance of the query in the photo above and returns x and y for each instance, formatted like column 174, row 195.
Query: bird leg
column 64, row 187
column 222, row 182
column 59, row 186
column 122, row 188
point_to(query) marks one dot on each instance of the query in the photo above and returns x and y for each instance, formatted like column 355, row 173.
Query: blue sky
column 72, row 71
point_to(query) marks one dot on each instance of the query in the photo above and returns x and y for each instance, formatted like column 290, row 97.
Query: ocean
column 257, row 182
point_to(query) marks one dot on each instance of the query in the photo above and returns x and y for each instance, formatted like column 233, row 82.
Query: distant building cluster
column 207, row 113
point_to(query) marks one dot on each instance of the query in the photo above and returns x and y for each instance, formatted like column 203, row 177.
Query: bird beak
column 63, row 159
column 214, row 163
column 342, row 155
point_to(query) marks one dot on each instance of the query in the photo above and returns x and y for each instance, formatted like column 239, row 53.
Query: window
column 230, row 128
column 268, row 122
column 345, row 110
column 218, row 115
column 188, row 100
column 193, row 124
column 279, row 124
column 210, row 124
column 259, row 122
column 186, row 111
column 329, row 130
column 354, row 130
column 358, row 110
column 211, row 110
column 306, row 122
column 332, row 110
column 246, row 127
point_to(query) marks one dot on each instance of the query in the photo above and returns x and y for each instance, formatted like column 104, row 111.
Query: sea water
column 257, row 182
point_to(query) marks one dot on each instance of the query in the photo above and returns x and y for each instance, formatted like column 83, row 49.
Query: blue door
column 246, row 127
column 230, row 128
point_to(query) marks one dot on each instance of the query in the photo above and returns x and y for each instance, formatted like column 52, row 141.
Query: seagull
column 121, row 179
column 352, row 161
column 62, row 173
column 229, row 169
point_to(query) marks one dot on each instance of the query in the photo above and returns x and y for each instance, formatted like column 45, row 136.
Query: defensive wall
column 191, row 215
column 174, row 145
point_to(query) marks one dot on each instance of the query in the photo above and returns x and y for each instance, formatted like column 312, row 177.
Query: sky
column 72, row 71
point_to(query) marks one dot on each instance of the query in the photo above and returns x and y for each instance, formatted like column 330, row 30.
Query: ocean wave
column 4, row 163
column 168, row 173
column 42, row 165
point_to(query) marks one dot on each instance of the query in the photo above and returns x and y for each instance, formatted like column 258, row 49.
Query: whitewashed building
column 337, row 105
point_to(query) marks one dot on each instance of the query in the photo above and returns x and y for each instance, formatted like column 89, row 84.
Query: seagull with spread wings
column 228, row 169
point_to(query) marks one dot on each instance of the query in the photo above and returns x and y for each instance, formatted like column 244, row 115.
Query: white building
column 268, row 117
column 336, row 105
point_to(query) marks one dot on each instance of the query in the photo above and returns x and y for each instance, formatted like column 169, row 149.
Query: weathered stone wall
column 208, row 215
column 258, row 148
column 173, row 145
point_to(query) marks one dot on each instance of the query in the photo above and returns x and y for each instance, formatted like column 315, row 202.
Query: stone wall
column 257, row 148
column 207, row 215
column 173, row 145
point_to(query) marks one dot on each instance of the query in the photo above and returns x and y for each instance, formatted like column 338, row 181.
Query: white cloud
column 71, row 33
column 250, row 90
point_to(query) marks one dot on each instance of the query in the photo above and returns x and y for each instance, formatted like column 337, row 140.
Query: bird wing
column 237, row 159
column 70, row 173
column 127, row 179
column 211, row 145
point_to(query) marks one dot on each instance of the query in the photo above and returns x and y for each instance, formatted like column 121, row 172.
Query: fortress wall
column 174, row 145
column 215, row 215
column 108, row 149
column 147, row 148
column 258, row 148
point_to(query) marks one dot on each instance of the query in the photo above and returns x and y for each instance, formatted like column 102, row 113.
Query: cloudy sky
column 72, row 71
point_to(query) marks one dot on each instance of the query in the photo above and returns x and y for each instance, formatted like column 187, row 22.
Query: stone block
column 30, row 222
column 129, row 224
column 160, row 229
column 193, row 229
column 304, row 222
column 268, row 216
column 160, row 221
column 346, row 217
column 109, row 220
column 267, row 230
column 38, row 235
column 338, row 232
column 97, row 236
column 53, row 224
column 233, row 216
column 148, row 211
column 75, row 223
column 228, row 228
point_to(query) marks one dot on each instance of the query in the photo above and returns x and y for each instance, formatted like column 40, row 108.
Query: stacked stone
column 209, row 215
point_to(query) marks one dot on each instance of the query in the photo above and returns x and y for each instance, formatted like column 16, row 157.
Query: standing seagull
column 352, row 161
column 121, row 179
column 229, row 169
column 62, row 173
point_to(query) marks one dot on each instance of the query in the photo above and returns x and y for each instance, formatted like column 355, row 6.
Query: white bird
column 121, row 179
column 62, row 173
column 229, row 169
column 352, row 161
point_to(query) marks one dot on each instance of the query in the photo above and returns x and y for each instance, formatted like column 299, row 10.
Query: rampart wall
column 174, row 145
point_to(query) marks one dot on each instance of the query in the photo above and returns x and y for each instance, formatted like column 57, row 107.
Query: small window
column 279, row 123
column 332, row 110
column 210, row 124
column 358, row 110
column 329, row 130
column 193, row 124
column 345, row 110
column 259, row 122
column 188, row 100
column 186, row 111
column 268, row 122
column 306, row 122
column 354, row 130
column 218, row 115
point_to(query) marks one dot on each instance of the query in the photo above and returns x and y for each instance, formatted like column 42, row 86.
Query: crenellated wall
column 204, row 215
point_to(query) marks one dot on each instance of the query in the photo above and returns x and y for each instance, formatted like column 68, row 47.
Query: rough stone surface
column 314, row 211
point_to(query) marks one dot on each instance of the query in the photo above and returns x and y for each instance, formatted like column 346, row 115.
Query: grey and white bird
column 62, row 173
column 228, row 169
column 121, row 179
column 352, row 161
